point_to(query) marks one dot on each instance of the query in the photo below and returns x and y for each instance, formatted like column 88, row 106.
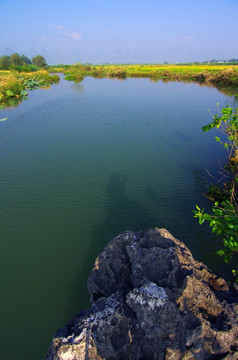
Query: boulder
column 151, row 301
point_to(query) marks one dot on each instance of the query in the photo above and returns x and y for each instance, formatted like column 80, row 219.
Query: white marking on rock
column 150, row 294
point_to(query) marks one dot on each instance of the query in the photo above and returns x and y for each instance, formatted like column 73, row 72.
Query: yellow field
column 177, row 71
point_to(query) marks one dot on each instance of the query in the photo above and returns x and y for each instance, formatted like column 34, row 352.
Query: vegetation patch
column 210, row 74
column 22, row 62
column 224, row 219
column 14, row 85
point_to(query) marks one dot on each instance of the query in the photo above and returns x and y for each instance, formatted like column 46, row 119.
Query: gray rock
column 151, row 300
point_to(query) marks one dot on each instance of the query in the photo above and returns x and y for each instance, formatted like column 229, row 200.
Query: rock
column 151, row 301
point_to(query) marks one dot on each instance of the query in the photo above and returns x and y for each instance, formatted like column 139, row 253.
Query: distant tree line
column 21, row 62
column 224, row 61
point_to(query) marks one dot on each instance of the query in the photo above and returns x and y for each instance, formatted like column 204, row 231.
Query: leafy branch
column 224, row 220
column 227, row 124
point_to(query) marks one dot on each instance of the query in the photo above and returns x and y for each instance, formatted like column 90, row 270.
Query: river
column 81, row 163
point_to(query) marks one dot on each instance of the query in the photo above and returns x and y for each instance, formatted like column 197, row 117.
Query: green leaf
column 4, row 119
column 9, row 93
column 213, row 222
column 227, row 259
column 207, row 127
column 207, row 217
column 217, row 212
column 24, row 93
column 214, row 229
column 220, row 252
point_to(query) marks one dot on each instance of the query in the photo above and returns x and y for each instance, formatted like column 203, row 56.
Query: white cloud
column 63, row 31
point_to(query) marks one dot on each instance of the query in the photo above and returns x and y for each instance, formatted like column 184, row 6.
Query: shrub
column 224, row 220
column 117, row 73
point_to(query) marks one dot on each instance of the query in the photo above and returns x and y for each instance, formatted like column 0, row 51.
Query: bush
column 224, row 220
column 117, row 73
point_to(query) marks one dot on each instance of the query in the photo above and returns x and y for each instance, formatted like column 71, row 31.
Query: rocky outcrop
column 151, row 300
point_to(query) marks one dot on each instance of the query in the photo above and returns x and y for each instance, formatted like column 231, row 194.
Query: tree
column 39, row 61
column 16, row 59
column 5, row 62
column 25, row 59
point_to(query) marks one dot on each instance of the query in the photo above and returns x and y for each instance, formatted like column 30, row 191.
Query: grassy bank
column 14, row 85
column 226, row 75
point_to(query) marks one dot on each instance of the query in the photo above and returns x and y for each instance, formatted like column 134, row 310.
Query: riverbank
column 223, row 75
column 15, row 85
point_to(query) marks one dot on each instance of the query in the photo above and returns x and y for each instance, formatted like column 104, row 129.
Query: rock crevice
column 151, row 300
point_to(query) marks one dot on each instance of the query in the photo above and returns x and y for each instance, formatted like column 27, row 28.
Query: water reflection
column 121, row 213
column 78, row 86
column 12, row 102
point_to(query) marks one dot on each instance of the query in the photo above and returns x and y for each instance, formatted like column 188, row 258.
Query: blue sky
column 120, row 31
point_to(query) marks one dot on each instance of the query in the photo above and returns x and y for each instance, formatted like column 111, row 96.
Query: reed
column 14, row 84
column 10, row 85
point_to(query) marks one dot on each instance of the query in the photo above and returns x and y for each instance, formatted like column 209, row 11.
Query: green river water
column 81, row 163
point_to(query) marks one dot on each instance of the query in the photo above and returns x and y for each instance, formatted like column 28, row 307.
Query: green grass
column 14, row 85
column 224, row 74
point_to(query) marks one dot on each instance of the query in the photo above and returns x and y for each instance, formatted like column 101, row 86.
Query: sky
column 122, row 31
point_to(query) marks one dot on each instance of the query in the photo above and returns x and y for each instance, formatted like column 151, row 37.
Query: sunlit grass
column 14, row 84
column 9, row 84
column 222, row 76
column 219, row 74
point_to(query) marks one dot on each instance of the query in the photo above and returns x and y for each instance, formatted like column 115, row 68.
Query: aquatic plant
column 77, row 72
column 15, row 85
column 10, row 85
